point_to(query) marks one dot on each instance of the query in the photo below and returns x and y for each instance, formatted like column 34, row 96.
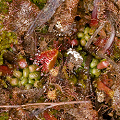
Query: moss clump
column 4, row 116
column 6, row 40
column 4, row 6
column 6, row 37
column 39, row 3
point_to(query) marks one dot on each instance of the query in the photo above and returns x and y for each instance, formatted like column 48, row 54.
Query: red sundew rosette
column 47, row 59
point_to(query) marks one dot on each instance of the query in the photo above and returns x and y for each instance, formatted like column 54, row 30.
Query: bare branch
column 39, row 104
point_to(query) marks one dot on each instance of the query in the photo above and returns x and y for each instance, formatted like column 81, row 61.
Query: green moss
column 3, row 83
column 4, row 116
column 39, row 3
column 94, row 63
column 6, row 39
column 73, row 79
column 4, row 6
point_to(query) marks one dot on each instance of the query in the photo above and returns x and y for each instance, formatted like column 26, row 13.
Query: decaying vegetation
column 60, row 60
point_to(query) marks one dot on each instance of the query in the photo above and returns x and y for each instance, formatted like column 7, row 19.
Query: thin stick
column 44, row 15
column 94, row 35
column 38, row 104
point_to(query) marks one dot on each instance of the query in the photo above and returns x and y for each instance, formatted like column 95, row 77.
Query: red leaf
column 49, row 117
column 74, row 42
column 5, row 70
column 22, row 63
column 108, row 82
column 103, row 64
column 93, row 22
column 100, row 42
column 103, row 87
column 55, row 44
column 47, row 59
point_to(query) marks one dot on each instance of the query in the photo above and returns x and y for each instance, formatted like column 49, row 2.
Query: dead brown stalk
column 40, row 104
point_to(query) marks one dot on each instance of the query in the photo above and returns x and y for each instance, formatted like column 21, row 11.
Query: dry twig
column 39, row 104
